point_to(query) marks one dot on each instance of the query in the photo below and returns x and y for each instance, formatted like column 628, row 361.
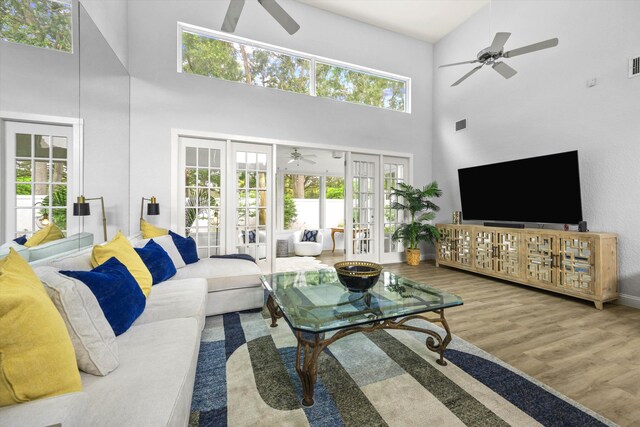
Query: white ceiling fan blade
column 499, row 41
column 280, row 15
column 309, row 155
column 308, row 161
column 459, row 63
column 232, row 16
column 505, row 71
column 291, row 160
column 531, row 48
column 463, row 78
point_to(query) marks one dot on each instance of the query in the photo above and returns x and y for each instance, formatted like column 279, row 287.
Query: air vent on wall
column 461, row 125
column 634, row 67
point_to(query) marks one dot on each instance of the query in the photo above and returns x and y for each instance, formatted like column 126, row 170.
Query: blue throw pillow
column 158, row 262
column 21, row 240
column 310, row 236
column 186, row 246
column 117, row 292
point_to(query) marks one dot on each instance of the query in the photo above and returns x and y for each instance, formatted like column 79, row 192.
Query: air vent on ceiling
column 461, row 125
column 634, row 67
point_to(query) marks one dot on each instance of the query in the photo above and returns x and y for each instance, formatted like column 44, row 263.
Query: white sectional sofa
column 158, row 355
column 50, row 249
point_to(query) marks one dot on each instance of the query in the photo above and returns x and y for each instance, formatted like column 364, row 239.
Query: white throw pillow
column 77, row 261
column 166, row 242
column 93, row 339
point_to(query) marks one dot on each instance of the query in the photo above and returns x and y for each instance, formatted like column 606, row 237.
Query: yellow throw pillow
column 150, row 231
column 36, row 355
column 48, row 234
column 121, row 248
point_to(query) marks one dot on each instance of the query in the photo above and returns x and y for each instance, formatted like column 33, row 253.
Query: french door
column 202, row 192
column 361, row 207
column 37, row 177
column 251, row 171
column 395, row 170
column 224, row 197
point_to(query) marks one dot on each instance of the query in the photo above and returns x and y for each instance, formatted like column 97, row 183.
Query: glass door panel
column 364, row 194
column 395, row 171
column 252, row 188
column 202, row 213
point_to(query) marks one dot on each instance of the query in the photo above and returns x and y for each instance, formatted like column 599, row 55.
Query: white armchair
column 307, row 248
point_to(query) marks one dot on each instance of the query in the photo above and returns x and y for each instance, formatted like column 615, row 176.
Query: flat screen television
column 543, row 189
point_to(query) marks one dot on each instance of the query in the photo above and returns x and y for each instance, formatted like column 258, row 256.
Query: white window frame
column 75, row 171
column 304, row 55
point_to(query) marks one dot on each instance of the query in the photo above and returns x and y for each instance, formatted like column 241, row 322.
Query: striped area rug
column 246, row 376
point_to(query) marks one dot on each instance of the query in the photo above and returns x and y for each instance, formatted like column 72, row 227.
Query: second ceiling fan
column 492, row 55
column 274, row 9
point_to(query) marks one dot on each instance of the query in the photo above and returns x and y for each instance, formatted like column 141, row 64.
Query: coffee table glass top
column 316, row 301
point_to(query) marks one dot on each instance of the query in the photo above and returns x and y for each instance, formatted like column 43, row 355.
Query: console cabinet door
column 576, row 269
column 507, row 259
column 445, row 244
column 540, row 266
column 463, row 246
column 484, row 243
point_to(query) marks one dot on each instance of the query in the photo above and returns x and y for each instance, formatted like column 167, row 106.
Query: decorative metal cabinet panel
column 540, row 259
column 583, row 265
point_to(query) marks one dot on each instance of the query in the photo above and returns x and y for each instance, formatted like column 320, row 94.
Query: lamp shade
column 81, row 209
column 153, row 209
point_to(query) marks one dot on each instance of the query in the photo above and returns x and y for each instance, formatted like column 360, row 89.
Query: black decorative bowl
column 358, row 276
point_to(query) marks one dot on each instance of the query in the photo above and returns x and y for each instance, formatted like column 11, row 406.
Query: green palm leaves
column 416, row 201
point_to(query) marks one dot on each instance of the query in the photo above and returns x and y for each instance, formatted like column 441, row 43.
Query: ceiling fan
column 297, row 157
column 492, row 54
column 274, row 9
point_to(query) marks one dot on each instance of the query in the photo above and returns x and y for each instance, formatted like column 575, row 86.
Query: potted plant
column 416, row 201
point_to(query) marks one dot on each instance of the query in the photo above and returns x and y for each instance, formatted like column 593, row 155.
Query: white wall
column 547, row 108
column 112, row 18
column 163, row 99
column 89, row 83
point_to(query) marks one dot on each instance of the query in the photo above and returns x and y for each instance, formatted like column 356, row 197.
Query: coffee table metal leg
column 307, row 365
column 274, row 311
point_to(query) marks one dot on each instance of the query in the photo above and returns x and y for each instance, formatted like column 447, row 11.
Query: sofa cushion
column 154, row 383
column 36, row 354
column 186, row 246
column 223, row 273
column 176, row 299
column 166, row 242
column 157, row 261
column 122, row 249
column 116, row 290
column 66, row 410
column 48, row 234
column 93, row 339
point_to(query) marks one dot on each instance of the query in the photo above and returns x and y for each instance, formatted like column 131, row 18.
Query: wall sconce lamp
column 153, row 208
column 82, row 208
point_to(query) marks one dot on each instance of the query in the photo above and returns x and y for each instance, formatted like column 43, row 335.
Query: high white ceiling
column 427, row 20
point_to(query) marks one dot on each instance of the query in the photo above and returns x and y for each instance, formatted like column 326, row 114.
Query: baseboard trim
column 628, row 300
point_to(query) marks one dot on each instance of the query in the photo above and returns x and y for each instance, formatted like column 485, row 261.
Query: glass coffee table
column 315, row 302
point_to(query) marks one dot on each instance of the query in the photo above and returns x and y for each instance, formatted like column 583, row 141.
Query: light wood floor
column 588, row 355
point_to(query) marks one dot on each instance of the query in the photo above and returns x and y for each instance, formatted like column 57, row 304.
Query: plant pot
column 413, row 256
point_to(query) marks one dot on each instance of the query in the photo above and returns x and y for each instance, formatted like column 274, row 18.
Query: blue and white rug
column 246, row 376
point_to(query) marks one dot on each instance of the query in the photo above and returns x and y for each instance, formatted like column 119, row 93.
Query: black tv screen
column 543, row 189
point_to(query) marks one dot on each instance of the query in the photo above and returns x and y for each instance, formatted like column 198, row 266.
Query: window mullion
column 312, row 77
